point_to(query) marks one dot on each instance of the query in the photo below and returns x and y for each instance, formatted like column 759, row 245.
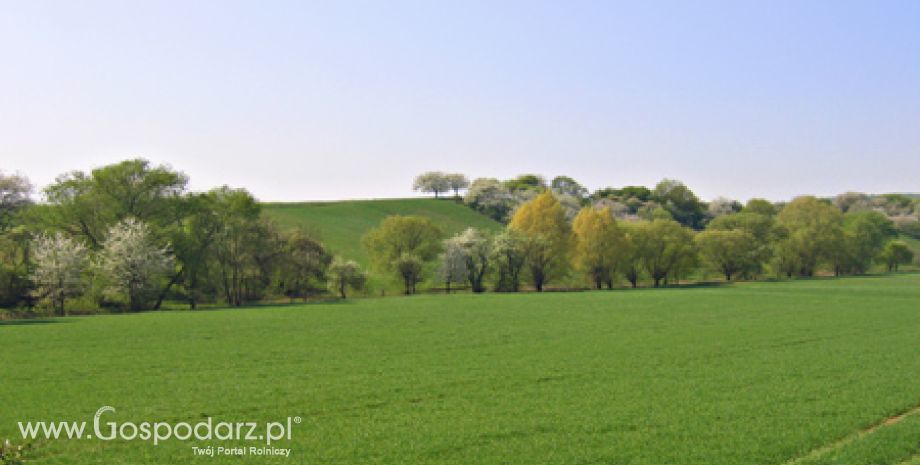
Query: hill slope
column 340, row 225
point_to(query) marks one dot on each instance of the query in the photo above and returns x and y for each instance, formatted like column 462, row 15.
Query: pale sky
column 330, row 100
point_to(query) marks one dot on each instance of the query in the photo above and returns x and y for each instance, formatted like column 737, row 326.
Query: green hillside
column 914, row 244
column 340, row 225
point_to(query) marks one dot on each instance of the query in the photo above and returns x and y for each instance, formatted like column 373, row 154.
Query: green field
column 752, row 373
column 340, row 225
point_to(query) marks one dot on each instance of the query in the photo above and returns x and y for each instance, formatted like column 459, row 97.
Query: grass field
column 340, row 225
column 753, row 373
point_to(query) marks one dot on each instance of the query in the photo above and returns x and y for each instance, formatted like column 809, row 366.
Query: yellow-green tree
column 729, row 251
column 665, row 247
column 404, row 244
column 812, row 232
column 598, row 244
column 542, row 224
column 896, row 253
column 756, row 220
column 630, row 262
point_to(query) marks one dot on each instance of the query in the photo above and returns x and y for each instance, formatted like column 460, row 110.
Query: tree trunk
column 539, row 277
column 169, row 285
column 632, row 275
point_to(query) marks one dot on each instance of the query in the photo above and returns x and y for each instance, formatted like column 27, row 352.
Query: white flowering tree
column 59, row 266
column 722, row 206
column 131, row 264
column 345, row 274
column 477, row 251
column 14, row 194
column 490, row 197
column 434, row 182
column 452, row 268
column 457, row 182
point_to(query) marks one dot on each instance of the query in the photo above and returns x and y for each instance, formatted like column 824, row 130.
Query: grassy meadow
column 752, row 373
column 340, row 225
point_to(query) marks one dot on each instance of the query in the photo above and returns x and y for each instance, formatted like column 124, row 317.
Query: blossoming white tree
column 452, row 268
column 477, row 251
column 59, row 266
column 435, row 182
column 132, row 264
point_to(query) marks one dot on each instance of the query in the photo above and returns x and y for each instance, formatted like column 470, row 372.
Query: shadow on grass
column 248, row 305
column 31, row 321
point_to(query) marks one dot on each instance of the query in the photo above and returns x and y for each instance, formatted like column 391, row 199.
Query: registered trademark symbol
column 297, row 420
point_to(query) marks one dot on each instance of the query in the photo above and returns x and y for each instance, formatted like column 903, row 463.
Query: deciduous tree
column 729, row 251
column 664, row 245
column 526, row 182
column 344, row 275
column 896, row 253
column 564, row 185
column 491, row 198
column 598, row 245
column 86, row 205
column 543, row 225
column 477, row 255
column 680, row 202
column 631, row 255
column 509, row 255
column 865, row 234
column 452, row 267
column 303, row 263
column 812, row 230
column 457, row 182
column 434, row 182
column 762, row 229
column 132, row 264
column 400, row 242
column 14, row 196
column 60, row 263
column 409, row 266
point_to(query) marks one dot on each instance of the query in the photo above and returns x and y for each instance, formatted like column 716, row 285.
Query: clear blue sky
column 335, row 100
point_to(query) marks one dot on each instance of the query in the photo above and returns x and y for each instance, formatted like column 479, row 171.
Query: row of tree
column 543, row 245
column 131, row 235
column 669, row 199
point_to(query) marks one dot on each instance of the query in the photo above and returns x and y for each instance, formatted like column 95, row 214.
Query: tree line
column 131, row 235
column 634, row 233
